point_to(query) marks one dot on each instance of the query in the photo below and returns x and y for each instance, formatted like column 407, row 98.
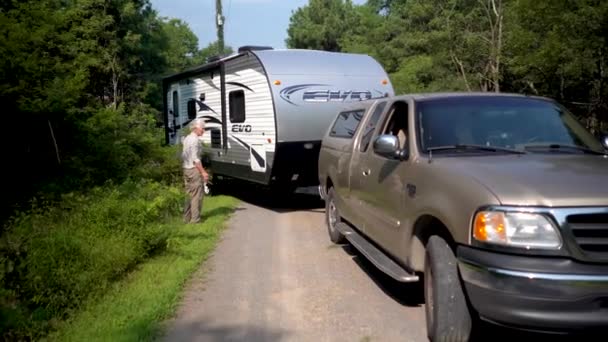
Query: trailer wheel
column 332, row 217
column 447, row 314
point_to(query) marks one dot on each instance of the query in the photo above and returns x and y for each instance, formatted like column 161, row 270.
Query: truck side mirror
column 387, row 145
column 605, row 141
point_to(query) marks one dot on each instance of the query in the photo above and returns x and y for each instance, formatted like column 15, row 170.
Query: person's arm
column 201, row 170
column 197, row 162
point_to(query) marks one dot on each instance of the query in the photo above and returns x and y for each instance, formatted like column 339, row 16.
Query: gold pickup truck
column 497, row 202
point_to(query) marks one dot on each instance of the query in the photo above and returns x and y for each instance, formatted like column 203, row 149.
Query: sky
column 248, row 22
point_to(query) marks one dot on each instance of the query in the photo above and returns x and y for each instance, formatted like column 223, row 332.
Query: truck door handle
column 366, row 172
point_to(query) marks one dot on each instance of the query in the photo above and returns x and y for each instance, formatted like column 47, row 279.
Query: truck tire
column 447, row 314
column 332, row 217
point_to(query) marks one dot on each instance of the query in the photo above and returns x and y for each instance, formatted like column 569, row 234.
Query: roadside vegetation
column 91, row 201
column 134, row 308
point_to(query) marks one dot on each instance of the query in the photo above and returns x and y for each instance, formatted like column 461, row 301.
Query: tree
column 61, row 61
column 213, row 49
column 473, row 37
column 560, row 49
column 182, row 44
column 320, row 25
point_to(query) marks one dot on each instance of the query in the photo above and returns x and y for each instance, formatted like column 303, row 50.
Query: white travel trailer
column 266, row 110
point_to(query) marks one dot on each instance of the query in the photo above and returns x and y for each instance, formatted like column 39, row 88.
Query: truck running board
column 376, row 256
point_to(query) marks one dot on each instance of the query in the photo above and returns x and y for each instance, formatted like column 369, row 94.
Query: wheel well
column 425, row 227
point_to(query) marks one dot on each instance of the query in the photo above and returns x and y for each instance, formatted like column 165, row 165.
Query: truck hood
column 538, row 179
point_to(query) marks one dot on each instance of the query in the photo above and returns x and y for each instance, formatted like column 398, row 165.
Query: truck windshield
column 518, row 123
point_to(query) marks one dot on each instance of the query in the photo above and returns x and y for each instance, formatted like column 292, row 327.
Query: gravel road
column 275, row 276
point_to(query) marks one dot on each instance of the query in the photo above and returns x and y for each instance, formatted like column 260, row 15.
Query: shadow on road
column 412, row 295
column 261, row 196
column 408, row 294
column 487, row 331
column 219, row 211
column 203, row 331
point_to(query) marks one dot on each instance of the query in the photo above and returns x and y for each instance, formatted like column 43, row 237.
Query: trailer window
column 346, row 124
column 175, row 104
column 216, row 138
column 236, row 103
column 191, row 109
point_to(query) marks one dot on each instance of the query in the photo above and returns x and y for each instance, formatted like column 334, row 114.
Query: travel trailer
column 266, row 110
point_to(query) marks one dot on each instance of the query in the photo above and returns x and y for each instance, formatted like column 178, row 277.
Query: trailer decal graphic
column 335, row 95
column 211, row 119
column 202, row 106
column 324, row 94
column 287, row 92
column 256, row 155
column 238, row 128
column 240, row 85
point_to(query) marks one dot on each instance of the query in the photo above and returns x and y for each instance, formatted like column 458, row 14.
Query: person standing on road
column 195, row 175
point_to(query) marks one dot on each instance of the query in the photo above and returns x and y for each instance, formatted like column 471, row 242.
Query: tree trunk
column 54, row 142
column 462, row 71
column 498, row 48
column 494, row 12
column 115, row 78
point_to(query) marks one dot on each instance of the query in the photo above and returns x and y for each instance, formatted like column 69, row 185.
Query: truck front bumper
column 538, row 293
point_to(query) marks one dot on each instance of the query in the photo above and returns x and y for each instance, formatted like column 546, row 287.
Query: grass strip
column 135, row 307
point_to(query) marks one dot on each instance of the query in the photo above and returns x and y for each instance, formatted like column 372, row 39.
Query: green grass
column 135, row 307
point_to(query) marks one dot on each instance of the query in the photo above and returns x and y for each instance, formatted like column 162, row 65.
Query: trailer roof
column 311, row 62
column 298, row 61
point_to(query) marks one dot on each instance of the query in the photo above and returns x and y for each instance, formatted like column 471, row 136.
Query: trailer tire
column 332, row 217
column 447, row 313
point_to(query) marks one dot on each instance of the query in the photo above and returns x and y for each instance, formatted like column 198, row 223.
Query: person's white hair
column 198, row 122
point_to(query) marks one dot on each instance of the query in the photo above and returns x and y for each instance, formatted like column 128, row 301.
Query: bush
column 55, row 256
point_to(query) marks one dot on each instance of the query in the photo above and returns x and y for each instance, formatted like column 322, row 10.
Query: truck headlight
column 516, row 229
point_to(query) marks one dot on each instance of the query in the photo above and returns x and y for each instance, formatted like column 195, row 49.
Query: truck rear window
column 346, row 124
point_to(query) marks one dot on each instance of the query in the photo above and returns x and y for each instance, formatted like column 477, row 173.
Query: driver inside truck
column 397, row 124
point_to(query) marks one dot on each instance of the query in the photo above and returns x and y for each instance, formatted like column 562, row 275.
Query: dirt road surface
column 275, row 276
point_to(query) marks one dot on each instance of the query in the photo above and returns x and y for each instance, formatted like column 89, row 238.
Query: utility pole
column 219, row 23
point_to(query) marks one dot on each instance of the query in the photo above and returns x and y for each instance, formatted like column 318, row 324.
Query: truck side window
column 236, row 104
column 346, row 124
column 370, row 127
column 397, row 122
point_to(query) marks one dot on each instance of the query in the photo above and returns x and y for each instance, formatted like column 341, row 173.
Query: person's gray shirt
column 191, row 151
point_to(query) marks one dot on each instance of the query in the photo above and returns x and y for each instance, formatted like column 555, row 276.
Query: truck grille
column 590, row 232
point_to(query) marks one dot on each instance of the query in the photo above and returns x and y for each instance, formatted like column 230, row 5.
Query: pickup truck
column 497, row 202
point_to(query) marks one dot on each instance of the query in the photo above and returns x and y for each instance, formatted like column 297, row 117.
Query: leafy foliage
column 54, row 257
column 81, row 95
column 81, row 89
column 320, row 25
column 550, row 48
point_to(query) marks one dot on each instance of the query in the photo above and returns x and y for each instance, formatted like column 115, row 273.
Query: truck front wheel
column 332, row 217
column 447, row 314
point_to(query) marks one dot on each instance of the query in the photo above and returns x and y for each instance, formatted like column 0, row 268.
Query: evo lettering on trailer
column 238, row 128
column 322, row 93
column 335, row 96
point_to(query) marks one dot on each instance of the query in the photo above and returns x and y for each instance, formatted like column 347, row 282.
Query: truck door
column 378, row 182
column 359, row 153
